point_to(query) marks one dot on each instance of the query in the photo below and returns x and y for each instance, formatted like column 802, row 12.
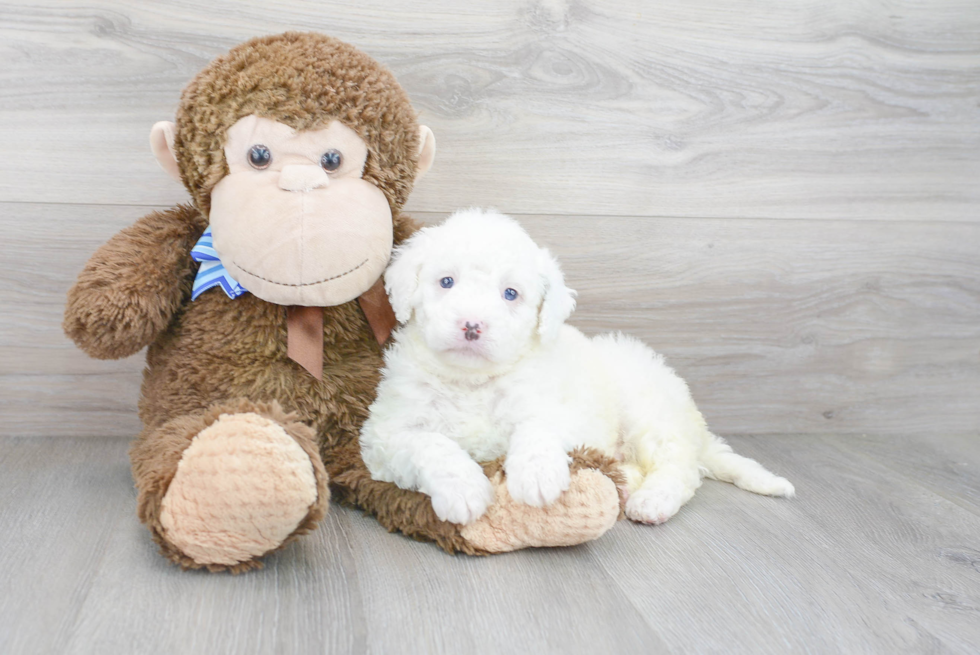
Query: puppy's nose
column 302, row 177
column 472, row 330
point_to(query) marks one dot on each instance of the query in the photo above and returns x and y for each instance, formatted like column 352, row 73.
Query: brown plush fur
column 132, row 286
column 218, row 355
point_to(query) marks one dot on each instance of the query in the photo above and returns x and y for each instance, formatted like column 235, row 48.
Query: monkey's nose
column 302, row 177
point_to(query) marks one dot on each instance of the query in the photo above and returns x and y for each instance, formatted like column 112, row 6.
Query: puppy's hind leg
column 721, row 463
column 667, row 488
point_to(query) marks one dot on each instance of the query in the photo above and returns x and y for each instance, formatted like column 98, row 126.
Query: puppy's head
column 480, row 290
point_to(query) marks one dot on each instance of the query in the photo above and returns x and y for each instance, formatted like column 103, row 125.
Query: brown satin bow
column 304, row 327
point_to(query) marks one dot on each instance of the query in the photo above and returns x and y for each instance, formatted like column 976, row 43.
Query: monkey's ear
column 559, row 300
column 162, row 145
column 427, row 151
column 402, row 276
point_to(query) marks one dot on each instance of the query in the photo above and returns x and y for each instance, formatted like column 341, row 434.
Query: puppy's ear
column 402, row 275
column 559, row 300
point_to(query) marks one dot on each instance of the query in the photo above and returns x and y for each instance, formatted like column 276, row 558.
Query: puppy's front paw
column 461, row 498
column 538, row 479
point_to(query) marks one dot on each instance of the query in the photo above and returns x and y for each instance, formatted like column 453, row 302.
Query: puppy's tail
column 723, row 464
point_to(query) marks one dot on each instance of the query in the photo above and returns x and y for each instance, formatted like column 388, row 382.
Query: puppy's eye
column 259, row 157
column 331, row 160
column 510, row 294
column 446, row 282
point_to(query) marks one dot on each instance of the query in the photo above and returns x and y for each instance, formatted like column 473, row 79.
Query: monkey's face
column 293, row 221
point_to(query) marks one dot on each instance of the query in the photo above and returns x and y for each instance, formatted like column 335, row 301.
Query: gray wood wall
column 782, row 197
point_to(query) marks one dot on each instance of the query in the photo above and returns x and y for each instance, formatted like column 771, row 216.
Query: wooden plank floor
column 880, row 552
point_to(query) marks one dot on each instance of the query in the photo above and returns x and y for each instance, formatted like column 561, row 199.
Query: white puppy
column 484, row 366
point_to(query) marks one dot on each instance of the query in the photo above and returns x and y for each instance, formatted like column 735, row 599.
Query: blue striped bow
column 212, row 273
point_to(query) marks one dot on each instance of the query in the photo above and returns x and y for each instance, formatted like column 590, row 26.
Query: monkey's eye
column 259, row 157
column 331, row 160
column 446, row 282
column 510, row 294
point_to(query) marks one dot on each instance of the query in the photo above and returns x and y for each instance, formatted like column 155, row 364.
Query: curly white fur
column 477, row 372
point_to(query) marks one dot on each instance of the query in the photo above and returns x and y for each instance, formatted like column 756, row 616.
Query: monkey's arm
column 132, row 286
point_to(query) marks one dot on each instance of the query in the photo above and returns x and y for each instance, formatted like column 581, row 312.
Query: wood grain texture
column 946, row 466
column 778, row 326
column 858, row 549
column 866, row 559
column 812, row 109
column 61, row 503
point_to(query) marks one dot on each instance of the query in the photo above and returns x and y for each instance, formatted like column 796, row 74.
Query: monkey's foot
column 242, row 484
column 586, row 511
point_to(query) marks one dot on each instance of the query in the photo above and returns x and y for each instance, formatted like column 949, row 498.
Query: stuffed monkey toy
column 263, row 311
